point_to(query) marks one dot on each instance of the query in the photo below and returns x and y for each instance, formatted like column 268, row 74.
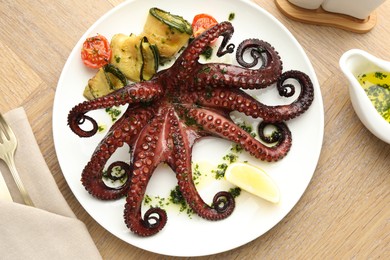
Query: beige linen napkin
column 49, row 230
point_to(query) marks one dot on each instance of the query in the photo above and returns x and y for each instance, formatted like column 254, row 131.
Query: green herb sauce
column 227, row 160
column 200, row 177
column 176, row 197
column 377, row 87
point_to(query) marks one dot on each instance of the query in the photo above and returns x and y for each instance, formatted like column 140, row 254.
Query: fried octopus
column 166, row 115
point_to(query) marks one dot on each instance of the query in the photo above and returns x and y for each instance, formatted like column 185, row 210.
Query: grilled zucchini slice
column 106, row 80
column 135, row 56
column 126, row 55
column 167, row 31
column 150, row 59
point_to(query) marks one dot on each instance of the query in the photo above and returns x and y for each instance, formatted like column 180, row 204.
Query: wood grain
column 344, row 213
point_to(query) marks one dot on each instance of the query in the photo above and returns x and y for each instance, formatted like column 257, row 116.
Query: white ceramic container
column 353, row 63
column 357, row 8
column 307, row 4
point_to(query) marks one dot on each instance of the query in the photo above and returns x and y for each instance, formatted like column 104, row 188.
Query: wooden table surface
column 344, row 212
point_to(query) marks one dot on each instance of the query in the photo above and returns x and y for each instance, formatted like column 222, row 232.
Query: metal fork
column 5, row 195
column 8, row 144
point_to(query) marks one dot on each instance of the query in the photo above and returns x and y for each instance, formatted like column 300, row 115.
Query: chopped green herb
column 236, row 148
column 380, row 75
column 207, row 53
column 114, row 112
column 101, row 128
column 224, row 70
column 247, row 128
column 209, row 92
column 176, row 197
column 220, row 171
column 235, row 192
column 196, row 174
column 206, row 69
column 147, row 199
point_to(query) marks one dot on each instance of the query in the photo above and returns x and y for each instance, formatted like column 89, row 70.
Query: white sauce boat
column 353, row 63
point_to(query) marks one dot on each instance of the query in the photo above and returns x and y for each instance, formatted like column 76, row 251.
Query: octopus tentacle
column 302, row 103
column 226, row 99
column 132, row 94
column 276, row 136
column 223, row 202
column 123, row 131
column 236, row 100
column 225, row 128
column 150, row 150
column 188, row 60
column 226, row 75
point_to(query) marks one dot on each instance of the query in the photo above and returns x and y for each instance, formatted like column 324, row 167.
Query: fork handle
column 18, row 181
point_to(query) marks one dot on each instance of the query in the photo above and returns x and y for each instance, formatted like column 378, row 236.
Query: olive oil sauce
column 377, row 87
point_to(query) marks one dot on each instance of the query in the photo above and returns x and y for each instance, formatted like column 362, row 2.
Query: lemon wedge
column 253, row 180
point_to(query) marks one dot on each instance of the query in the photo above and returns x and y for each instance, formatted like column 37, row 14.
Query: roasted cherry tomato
column 96, row 52
column 201, row 23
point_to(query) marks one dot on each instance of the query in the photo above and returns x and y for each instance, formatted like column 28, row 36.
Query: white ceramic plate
column 184, row 235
